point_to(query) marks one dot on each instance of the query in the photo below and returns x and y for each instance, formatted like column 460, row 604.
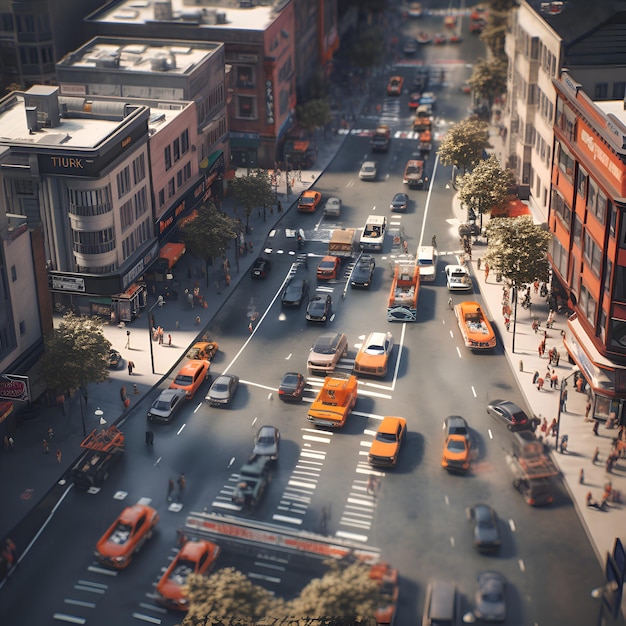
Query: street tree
column 209, row 234
column 313, row 114
column 486, row 187
column 488, row 80
column 76, row 353
column 464, row 144
column 495, row 30
column 252, row 191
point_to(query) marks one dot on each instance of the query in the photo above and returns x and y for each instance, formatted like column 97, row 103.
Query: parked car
column 320, row 308
column 222, row 390
column 191, row 375
column 429, row 98
column 267, row 442
column 490, row 597
column 362, row 272
column 394, row 86
column 294, row 292
column 373, row 355
column 388, row 440
column 399, row 202
column 509, row 413
column 165, row 407
column 332, row 208
column 368, row 171
column 328, row 268
column 458, row 278
column 203, row 350
column 410, row 47
column 326, row 352
column 195, row 557
column 485, row 529
column 260, row 268
column 291, row 386
column 125, row 537
column 115, row 359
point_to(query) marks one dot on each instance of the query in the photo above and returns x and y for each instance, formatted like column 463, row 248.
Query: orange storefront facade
column 588, row 252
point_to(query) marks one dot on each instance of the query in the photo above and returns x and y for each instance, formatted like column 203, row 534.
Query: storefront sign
column 139, row 268
column 68, row 283
column 14, row 387
column 192, row 199
column 596, row 152
column 269, row 102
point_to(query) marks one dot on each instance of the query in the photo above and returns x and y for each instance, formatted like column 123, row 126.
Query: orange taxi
column 328, row 268
column 456, row 453
column 126, row 536
column 309, row 201
column 195, row 557
column 203, row 350
column 474, row 326
column 191, row 376
column 386, row 445
column 387, row 578
column 373, row 355
column 394, row 86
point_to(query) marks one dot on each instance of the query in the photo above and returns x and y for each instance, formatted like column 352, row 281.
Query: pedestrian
column 11, row 443
column 564, row 401
column 596, row 455
column 587, row 410
column 59, row 455
column 552, row 428
column 563, row 446
column 450, row 305
column 279, row 207
column 609, row 464
column 486, row 271
column 50, row 433
column 177, row 325
column 535, row 377
column 478, row 261
column 557, row 357
column 123, row 393
column 541, row 348
column 535, row 325
column 550, row 355
column 128, row 339
column 131, row 365
column 190, row 299
column 250, row 246
column 544, row 426
column 536, row 285
column 250, row 327
column 197, row 320
column 135, row 390
column 169, row 339
column 547, row 376
column 540, row 382
column 405, row 247
column 149, row 437
column 596, row 425
column 579, row 384
column 170, row 489
column 554, row 380
column 46, row 446
column 160, row 333
column 581, row 477
column 590, row 501
column 434, row 241
column 182, row 483
column 227, row 279
column 550, row 320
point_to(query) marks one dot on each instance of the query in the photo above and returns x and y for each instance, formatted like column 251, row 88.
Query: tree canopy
column 488, row 79
column 252, row 191
column 314, row 113
column 518, row 249
column 76, row 353
column 464, row 144
column 368, row 49
column 209, row 234
column 343, row 590
column 486, row 186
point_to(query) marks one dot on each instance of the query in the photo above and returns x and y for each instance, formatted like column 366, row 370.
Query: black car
column 485, row 526
column 294, row 292
column 410, row 47
column 511, row 415
column 267, row 442
column 260, row 268
column 291, row 386
column 399, row 202
column 319, row 308
column 115, row 359
column 361, row 275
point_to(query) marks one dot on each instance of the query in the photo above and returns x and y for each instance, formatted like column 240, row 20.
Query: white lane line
column 93, row 584
column 87, row 605
column 305, row 463
column 198, row 408
column 278, row 568
column 146, row 618
column 474, row 391
column 365, row 444
column 365, row 515
column 371, row 472
column 312, row 455
column 360, row 502
column 180, row 430
column 269, row 579
column 305, row 485
column 72, row 619
column 152, row 607
column 309, row 473
column 512, row 525
column 344, row 535
column 522, row 565
column 458, row 352
column 312, row 438
column 489, row 431
column 369, row 415
column 98, row 570
column 446, row 500
column 355, row 523
column 452, row 542
column 288, row 520
column 225, row 505
column 452, row 335
column 371, row 433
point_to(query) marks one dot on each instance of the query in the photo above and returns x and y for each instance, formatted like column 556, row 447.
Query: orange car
column 203, row 350
column 195, row 557
column 387, row 578
column 309, row 201
column 191, row 376
column 475, row 327
column 334, row 402
column 126, row 535
column 394, row 86
column 373, row 356
column 328, row 268
column 386, row 445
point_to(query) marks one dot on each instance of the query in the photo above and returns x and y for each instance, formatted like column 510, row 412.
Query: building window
column 600, row 207
column 246, row 107
column 161, row 197
column 126, row 214
column 123, row 182
column 592, row 195
column 622, row 237
column 592, row 255
column 578, row 231
column 171, row 188
column 600, row 91
column 581, row 182
column 601, row 328
column 140, row 201
column 13, row 273
column 562, row 210
column 608, row 268
column 93, row 242
column 139, row 169
column 184, row 141
column 619, row 294
column 179, row 178
column 22, row 328
column 187, row 171
column 176, row 149
column 566, row 162
column 612, row 218
column 245, row 76
column 619, row 91
column 617, row 331
column 559, row 257
column 587, row 304
column 168, row 157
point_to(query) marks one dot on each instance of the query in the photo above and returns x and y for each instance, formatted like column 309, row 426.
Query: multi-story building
column 260, row 43
column 545, row 37
column 588, row 252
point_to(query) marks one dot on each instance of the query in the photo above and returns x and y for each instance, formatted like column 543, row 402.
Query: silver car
column 368, row 170
column 326, row 352
column 222, row 390
column 332, row 208
column 166, row 405
column 267, row 442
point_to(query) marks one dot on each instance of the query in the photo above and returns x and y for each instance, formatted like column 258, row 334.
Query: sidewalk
column 601, row 526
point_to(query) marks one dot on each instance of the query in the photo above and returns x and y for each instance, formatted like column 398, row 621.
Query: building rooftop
column 614, row 107
column 144, row 56
column 229, row 14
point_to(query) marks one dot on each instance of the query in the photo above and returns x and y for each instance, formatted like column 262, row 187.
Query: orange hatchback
column 328, row 268
column 386, row 445
column 457, row 446
column 195, row 557
column 191, row 376
column 309, row 201
column 126, row 536
column 394, row 86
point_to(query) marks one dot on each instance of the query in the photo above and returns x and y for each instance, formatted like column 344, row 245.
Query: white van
column 427, row 261
column 373, row 235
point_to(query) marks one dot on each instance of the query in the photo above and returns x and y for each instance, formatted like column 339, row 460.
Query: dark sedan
column 115, row 359
column 267, row 442
column 319, row 309
column 291, row 386
column 399, row 202
column 485, row 526
column 165, row 407
column 260, row 268
column 509, row 413
column 490, row 597
column 222, row 390
column 361, row 275
column 294, row 292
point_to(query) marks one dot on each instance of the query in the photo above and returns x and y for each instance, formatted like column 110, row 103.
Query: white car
column 332, row 208
column 368, row 170
column 458, row 278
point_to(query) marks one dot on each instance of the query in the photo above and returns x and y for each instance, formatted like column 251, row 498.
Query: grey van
column 442, row 604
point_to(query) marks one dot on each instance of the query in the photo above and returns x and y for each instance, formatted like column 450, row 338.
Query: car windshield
column 325, row 265
column 411, row 169
column 307, row 200
column 386, row 437
column 458, row 274
column 161, row 405
column 326, row 345
column 493, row 597
column 183, row 380
column 220, row 387
column 290, row 381
column 375, row 349
column 456, row 445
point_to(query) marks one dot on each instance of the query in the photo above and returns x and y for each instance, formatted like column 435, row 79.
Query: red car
column 328, row 268
column 195, row 557
column 414, row 100
column 126, row 536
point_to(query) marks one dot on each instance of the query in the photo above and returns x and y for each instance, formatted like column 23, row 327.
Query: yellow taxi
column 394, row 86
column 191, row 376
column 386, row 445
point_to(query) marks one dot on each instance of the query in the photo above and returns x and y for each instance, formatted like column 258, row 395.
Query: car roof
column 389, row 424
column 376, row 337
column 168, row 393
column 192, row 366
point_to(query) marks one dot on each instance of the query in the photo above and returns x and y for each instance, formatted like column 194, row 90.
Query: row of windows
column 546, row 106
column 89, row 202
column 592, row 253
column 547, row 60
column 206, row 106
column 566, row 162
column 216, row 132
column 182, row 176
column 36, row 55
column 93, row 242
column 285, row 71
column 179, row 146
column 123, row 182
column 136, row 238
column 601, row 91
column 139, row 168
column 98, row 269
column 587, row 304
column 134, row 208
column 542, row 149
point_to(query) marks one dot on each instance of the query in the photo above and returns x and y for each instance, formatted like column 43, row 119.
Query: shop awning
column 513, row 208
column 172, row 252
column 6, row 408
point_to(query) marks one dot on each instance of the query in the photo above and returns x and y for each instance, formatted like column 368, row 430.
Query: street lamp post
column 603, row 593
column 150, row 335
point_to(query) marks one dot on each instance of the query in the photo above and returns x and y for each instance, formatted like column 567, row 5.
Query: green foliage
column 254, row 190
column 209, row 234
column 488, row 79
column 76, row 353
column 369, row 49
column 313, row 113
column 464, row 143
column 517, row 249
column 486, row 186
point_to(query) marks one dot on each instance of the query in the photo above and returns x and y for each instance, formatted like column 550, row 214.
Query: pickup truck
column 254, row 477
column 103, row 449
column 381, row 138
column 334, row 402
